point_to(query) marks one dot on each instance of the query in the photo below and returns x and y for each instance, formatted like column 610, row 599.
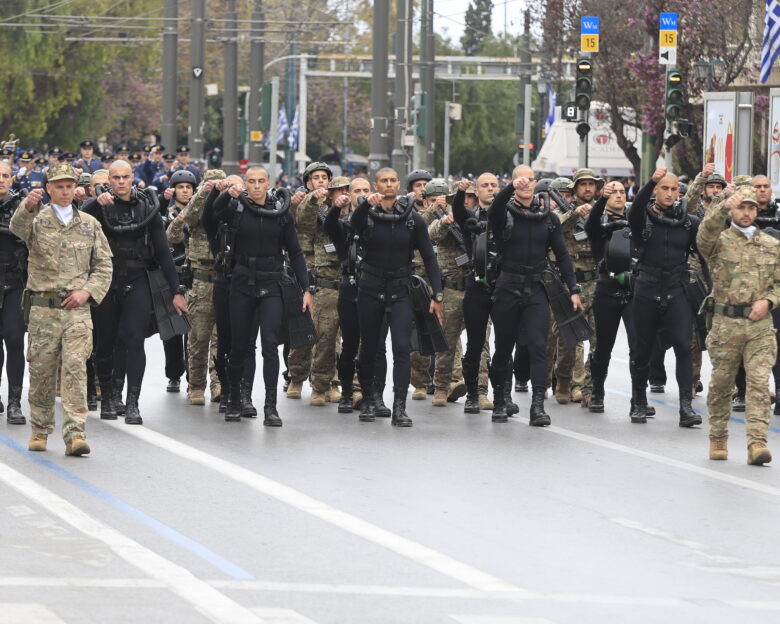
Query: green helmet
column 716, row 178
column 84, row 179
column 316, row 166
column 437, row 186
column 562, row 185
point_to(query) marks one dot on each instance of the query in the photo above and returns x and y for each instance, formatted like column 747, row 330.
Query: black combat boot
column 738, row 404
column 233, row 409
column 539, row 418
column 471, row 377
column 248, row 410
column 367, row 408
column 638, row 412
column 92, row 400
column 107, row 402
column 688, row 418
column 14, row 415
column 271, row 416
column 400, row 417
column 511, row 406
column 596, row 405
column 174, row 385
column 380, row 409
column 498, row 379
column 132, row 415
column 119, row 384
column 346, row 372
column 223, row 401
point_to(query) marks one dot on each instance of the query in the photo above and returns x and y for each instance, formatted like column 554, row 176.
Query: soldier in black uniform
column 263, row 228
column 664, row 235
column 13, row 268
column 525, row 231
column 131, row 220
column 391, row 230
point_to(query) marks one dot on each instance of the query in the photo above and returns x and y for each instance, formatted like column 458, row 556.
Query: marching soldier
column 69, row 266
column 744, row 262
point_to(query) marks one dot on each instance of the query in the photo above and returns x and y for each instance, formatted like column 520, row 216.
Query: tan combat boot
column 457, row 390
column 584, row 399
column 419, row 394
column 357, row 397
column 76, row 447
column 439, row 398
column 576, row 395
column 485, row 404
column 758, row 454
column 37, row 442
column 295, row 389
column 562, row 392
column 719, row 449
column 196, row 396
column 216, row 392
column 318, row 399
column 333, row 395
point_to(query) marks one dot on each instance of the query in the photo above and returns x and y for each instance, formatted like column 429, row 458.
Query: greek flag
column 771, row 46
column 292, row 137
column 283, row 127
column 550, row 110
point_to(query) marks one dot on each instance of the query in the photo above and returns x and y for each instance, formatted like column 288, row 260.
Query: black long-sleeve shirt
column 208, row 218
column 529, row 240
column 160, row 251
column 263, row 236
column 392, row 244
column 338, row 231
column 460, row 213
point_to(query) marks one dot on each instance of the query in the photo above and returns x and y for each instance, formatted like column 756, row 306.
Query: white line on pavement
column 202, row 596
column 16, row 612
column 347, row 522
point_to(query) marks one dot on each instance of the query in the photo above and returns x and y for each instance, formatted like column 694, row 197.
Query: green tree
column 478, row 24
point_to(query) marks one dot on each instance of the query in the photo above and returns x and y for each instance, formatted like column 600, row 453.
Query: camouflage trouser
column 421, row 367
column 570, row 364
column 484, row 362
column 696, row 358
column 453, row 328
column 200, row 344
column 326, row 322
column 729, row 342
column 59, row 338
column 299, row 364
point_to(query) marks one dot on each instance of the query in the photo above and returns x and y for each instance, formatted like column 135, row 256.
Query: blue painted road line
column 199, row 550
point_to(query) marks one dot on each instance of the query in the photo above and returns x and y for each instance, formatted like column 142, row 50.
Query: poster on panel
column 720, row 122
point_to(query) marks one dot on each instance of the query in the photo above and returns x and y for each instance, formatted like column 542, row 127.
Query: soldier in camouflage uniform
column 310, row 218
column 744, row 262
column 202, row 341
column 586, row 185
column 69, row 266
column 315, row 178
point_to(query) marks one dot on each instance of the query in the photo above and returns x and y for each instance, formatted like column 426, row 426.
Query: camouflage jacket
column 64, row 257
column 579, row 250
column 192, row 234
column 429, row 216
column 743, row 269
column 448, row 249
column 695, row 190
column 304, row 232
column 326, row 261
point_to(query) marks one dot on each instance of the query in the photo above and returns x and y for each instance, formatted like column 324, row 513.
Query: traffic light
column 583, row 88
column 675, row 95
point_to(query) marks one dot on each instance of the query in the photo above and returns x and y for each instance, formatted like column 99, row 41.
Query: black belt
column 329, row 284
column 733, row 311
column 204, row 276
column 660, row 273
column 585, row 276
column 386, row 275
column 240, row 269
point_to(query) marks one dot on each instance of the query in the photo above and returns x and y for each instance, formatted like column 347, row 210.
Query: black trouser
column 657, row 374
column 477, row 303
column 245, row 313
column 740, row 380
column 12, row 330
column 127, row 312
column 610, row 306
column 522, row 368
column 349, row 324
column 175, row 356
column 511, row 314
column 221, row 299
column 371, row 319
column 676, row 318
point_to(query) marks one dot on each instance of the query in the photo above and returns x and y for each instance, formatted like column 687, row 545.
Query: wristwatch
column 181, row 290
column 576, row 290
column 438, row 297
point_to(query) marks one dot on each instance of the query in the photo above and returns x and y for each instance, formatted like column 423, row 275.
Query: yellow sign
column 589, row 43
column 667, row 38
column 256, row 136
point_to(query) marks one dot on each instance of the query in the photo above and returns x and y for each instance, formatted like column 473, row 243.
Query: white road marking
column 418, row 553
column 659, row 459
column 18, row 612
column 281, row 616
column 202, row 596
column 493, row 619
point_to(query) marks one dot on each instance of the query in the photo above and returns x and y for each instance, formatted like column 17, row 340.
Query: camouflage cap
column 748, row 194
column 742, row 180
column 61, row 171
column 587, row 174
column 338, row 182
column 214, row 174
column 471, row 190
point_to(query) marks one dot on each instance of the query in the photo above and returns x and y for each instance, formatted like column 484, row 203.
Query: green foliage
column 478, row 26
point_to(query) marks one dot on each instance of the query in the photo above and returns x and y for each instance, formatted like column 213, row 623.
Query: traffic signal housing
column 583, row 88
column 675, row 95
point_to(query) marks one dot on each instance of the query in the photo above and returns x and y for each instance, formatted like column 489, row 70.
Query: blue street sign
column 590, row 25
column 668, row 21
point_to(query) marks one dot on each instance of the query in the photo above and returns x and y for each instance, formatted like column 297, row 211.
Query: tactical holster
column 169, row 322
column 573, row 327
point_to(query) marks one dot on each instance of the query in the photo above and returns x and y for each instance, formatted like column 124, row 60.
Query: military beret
column 69, row 156
column 183, row 149
column 106, row 157
column 123, row 147
column 135, row 156
column 169, row 156
column 40, row 161
column 147, row 148
column 87, row 143
column 25, row 156
column 55, row 150
column 158, row 146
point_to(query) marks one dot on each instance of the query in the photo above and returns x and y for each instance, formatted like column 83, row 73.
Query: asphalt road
column 328, row 520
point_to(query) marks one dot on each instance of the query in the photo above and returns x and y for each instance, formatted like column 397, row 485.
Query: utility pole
column 399, row 159
column 303, row 119
column 289, row 100
column 429, row 86
column 377, row 157
column 230, row 94
column 525, row 94
column 256, row 70
column 197, row 103
column 274, row 130
column 170, row 77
